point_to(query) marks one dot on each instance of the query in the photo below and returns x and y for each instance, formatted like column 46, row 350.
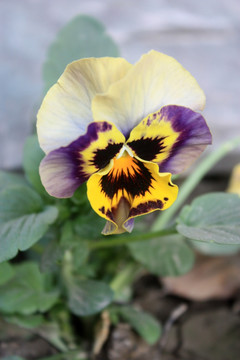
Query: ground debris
column 211, row 278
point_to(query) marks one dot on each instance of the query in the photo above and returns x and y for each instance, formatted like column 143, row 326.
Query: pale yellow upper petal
column 154, row 81
column 66, row 109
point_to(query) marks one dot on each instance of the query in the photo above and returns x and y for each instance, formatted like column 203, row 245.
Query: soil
column 192, row 330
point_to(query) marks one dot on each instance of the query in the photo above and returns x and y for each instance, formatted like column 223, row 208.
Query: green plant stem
column 125, row 277
column 126, row 239
column 67, row 267
column 75, row 355
column 193, row 180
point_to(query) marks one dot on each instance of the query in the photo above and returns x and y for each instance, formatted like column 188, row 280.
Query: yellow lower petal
column 131, row 188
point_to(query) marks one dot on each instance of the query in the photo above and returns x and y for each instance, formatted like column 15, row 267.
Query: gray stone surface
column 203, row 35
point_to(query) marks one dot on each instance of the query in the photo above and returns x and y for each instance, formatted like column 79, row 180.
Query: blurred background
column 204, row 36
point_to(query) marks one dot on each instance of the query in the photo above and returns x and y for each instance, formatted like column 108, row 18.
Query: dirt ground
column 192, row 330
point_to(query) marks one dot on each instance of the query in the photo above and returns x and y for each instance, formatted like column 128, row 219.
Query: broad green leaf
column 75, row 244
column 166, row 256
column 23, row 220
column 26, row 322
column 80, row 198
column 213, row 218
column 144, row 323
column 32, row 156
column 81, row 38
column 9, row 179
column 89, row 225
column 12, row 357
column 88, row 297
column 215, row 249
column 27, row 292
column 6, row 272
column 51, row 256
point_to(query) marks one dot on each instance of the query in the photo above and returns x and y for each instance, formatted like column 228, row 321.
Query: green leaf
column 71, row 241
column 12, row 357
column 88, row 297
column 26, row 322
column 6, row 272
column 89, row 225
column 32, row 156
column 166, row 256
column 51, row 256
column 9, row 179
column 212, row 218
column 23, row 220
column 27, row 292
column 81, row 38
column 215, row 249
column 145, row 324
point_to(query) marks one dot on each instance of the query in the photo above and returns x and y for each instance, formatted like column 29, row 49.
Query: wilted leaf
column 211, row 278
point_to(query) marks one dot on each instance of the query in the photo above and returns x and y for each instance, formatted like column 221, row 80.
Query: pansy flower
column 123, row 129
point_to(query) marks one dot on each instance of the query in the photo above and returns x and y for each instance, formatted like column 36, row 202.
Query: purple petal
column 63, row 170
column 194, row 136
column 58, row 174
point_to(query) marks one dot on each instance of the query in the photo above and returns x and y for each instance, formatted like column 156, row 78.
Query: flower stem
column 124, row 278
column 72, row 354
column 125, row 239
column 193, row 180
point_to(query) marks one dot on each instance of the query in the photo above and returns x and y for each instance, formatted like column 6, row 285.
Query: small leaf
column 9, row 179
column 88, row 297
column 212, row 218
column 81, row 38
column 215, row 249
column 32, row 156
column 6, row 272
column 89, row 225
column 12, row 357
column 27, row 292
column 166, row 256
column 144, row 323
column 26, row 322
column 52, row 255
column 78, row 247
column 23, row 220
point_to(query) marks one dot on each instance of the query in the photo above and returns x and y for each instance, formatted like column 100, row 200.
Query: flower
column 124, row 129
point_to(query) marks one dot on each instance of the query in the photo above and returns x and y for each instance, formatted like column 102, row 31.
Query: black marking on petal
column 146, row 207
column 165, row 199
column 109, row 214
column 148, row 148
column 102, row 157
column 73, row 152
column 136, row 181
column 102, row 209
column 169, row 184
